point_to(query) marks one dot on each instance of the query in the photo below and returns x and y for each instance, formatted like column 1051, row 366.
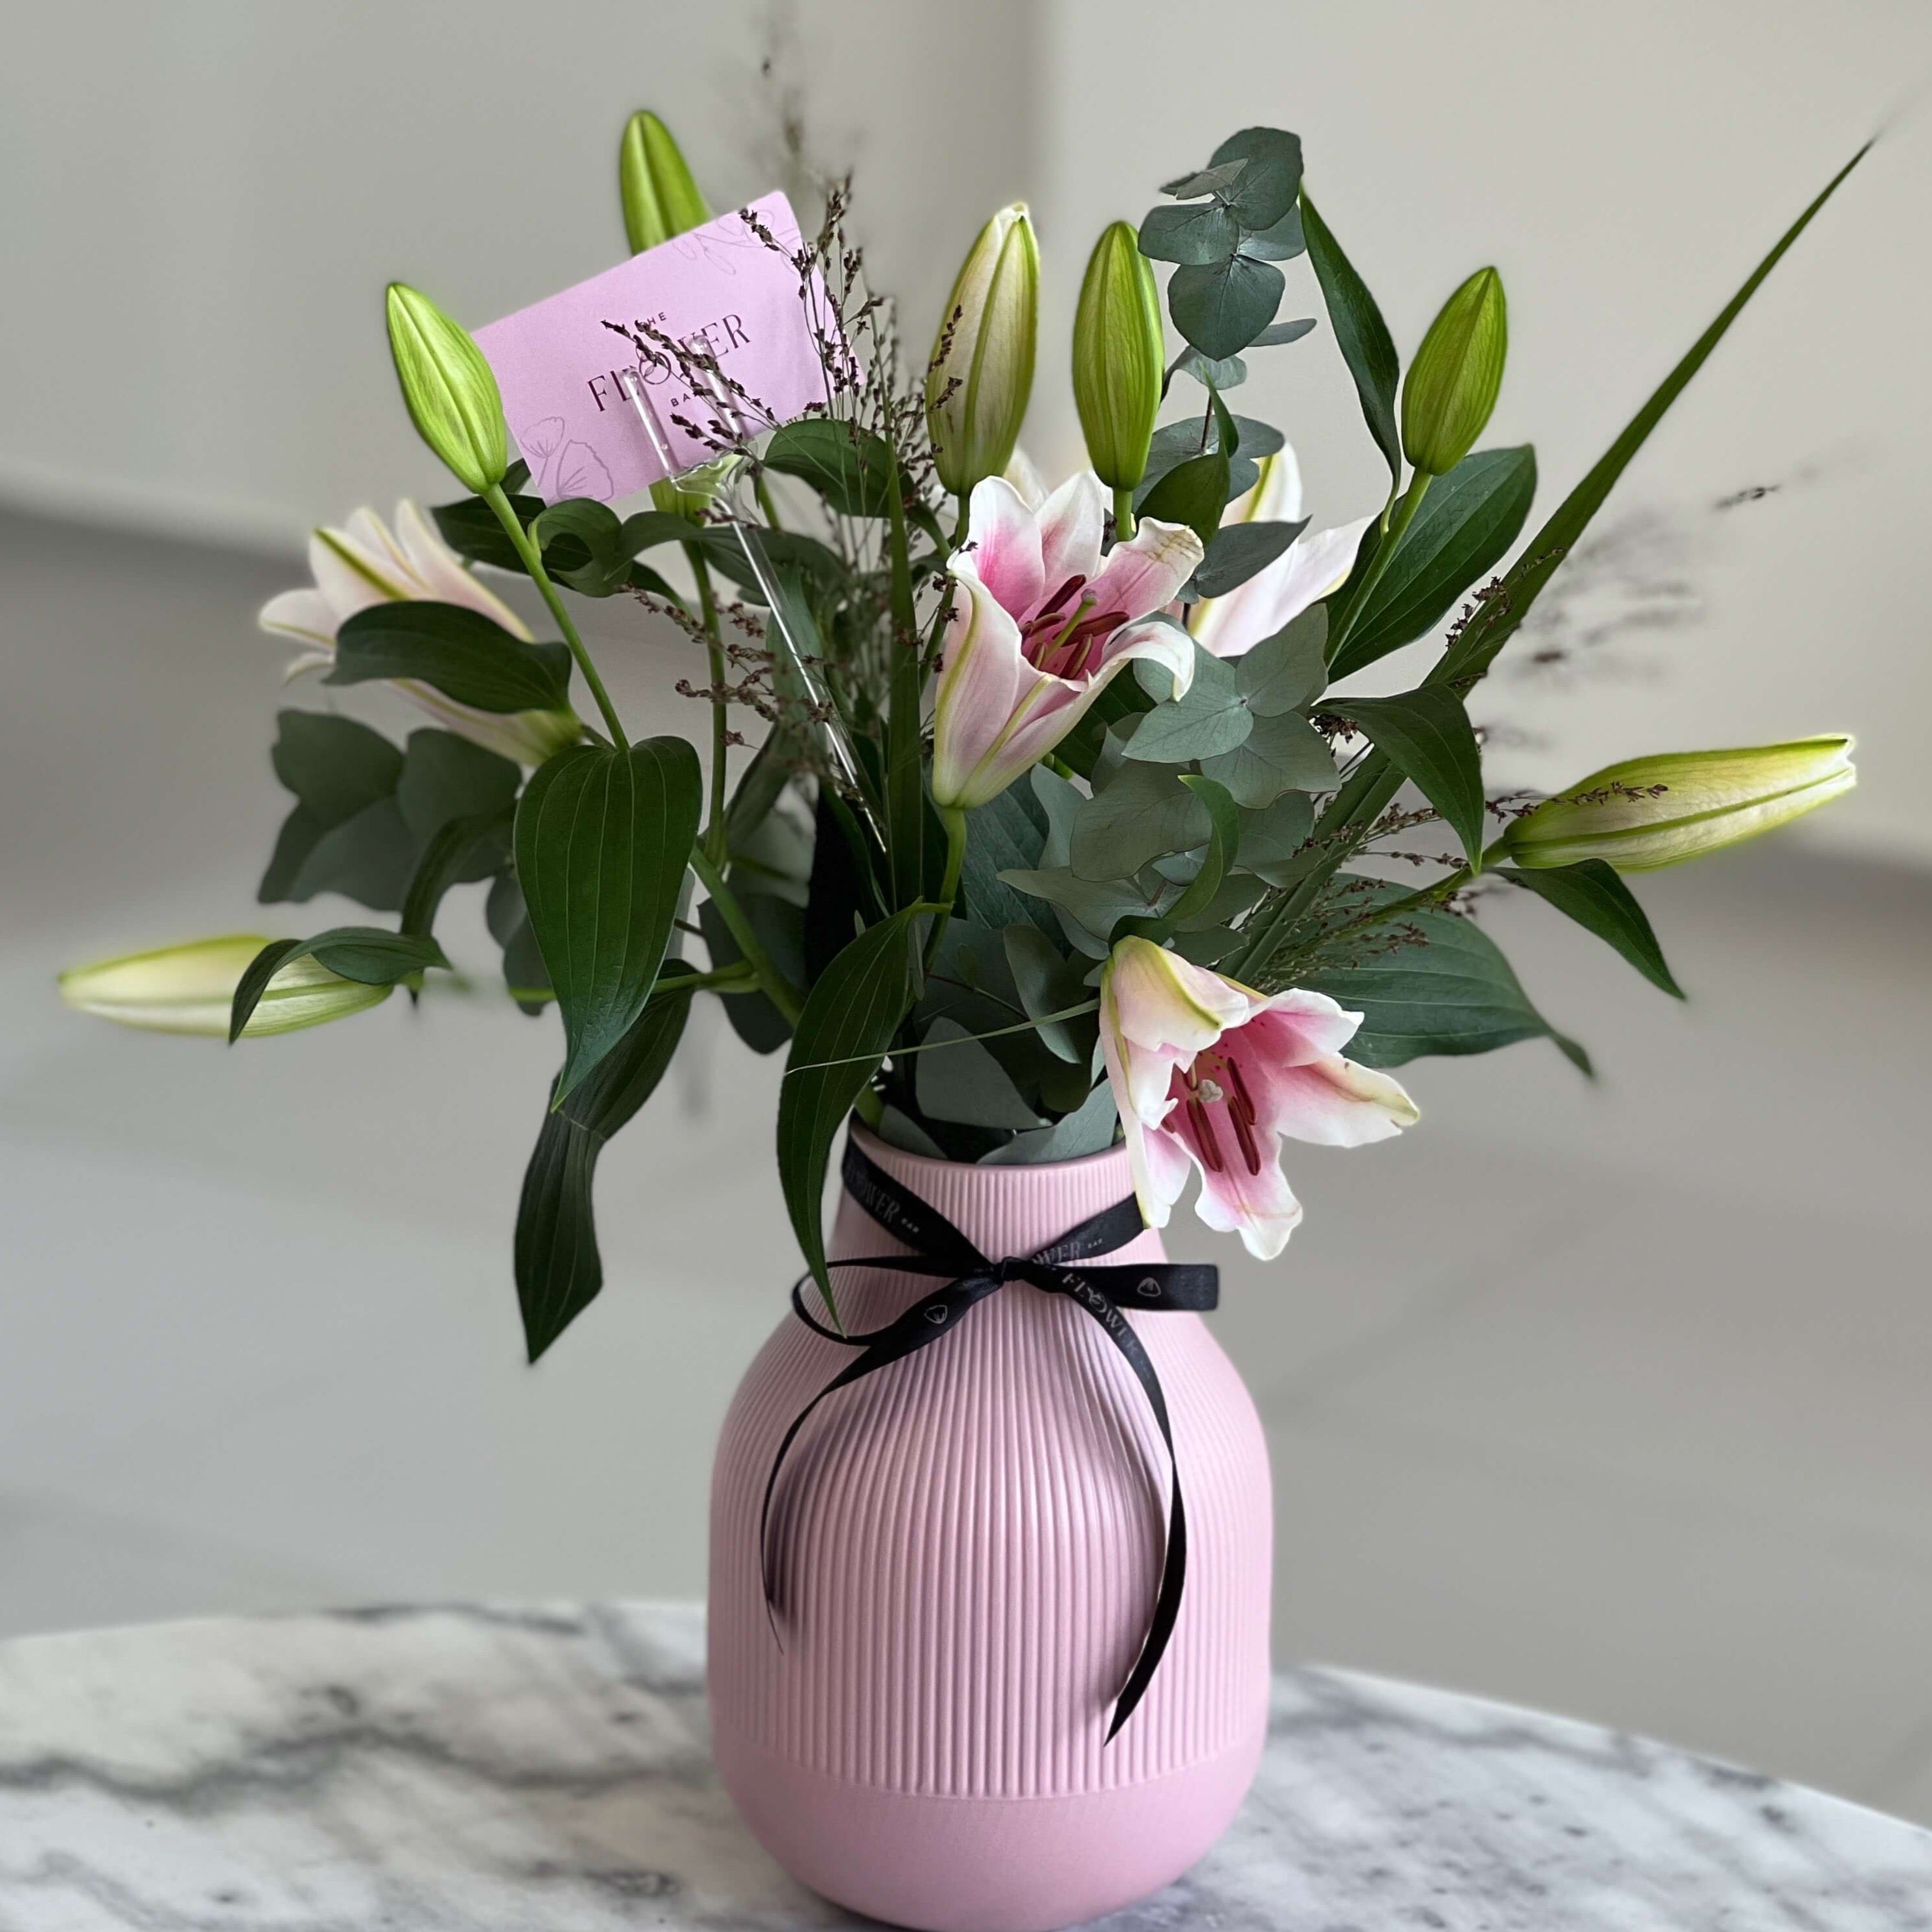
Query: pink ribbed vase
column 968, row 1544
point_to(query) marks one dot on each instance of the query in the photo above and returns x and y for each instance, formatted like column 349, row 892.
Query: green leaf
column 1366, row 344
column 1206, row 231
column 368, row 857
column 602, row 839
column 1144, row 813
column 1229, row 373
column 445, row 777
column 368, row 954
column 1098, row 906
column 1194, row 493
column 1223, row 840
column 1453, row 993
column 471, row 528
column 1278, row 332
column 1210, row 719
column 1221, row 307
column 459, row 652
column 1047, row 982
column 1426, row 735
column 509, row 922
column 1005, row 835
column 1284, row 672
column 1264, row 192
column 1236, row 552
column 850, row 468
column 1088, row 1129
column 1282, row 242
column 559, row 1270
column 1475, row 650
column 1592, row 893
column 850, row 1015
column 1283, row 752
column 1272, row 837
column 1467, row 521
column 450, row 855
column 334, row 765
column 584, row 546
column 957, row 1079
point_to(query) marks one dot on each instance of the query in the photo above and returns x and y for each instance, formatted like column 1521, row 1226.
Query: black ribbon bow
column 940, row 1250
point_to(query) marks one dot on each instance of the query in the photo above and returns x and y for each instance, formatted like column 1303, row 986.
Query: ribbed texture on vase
column 967, row 1543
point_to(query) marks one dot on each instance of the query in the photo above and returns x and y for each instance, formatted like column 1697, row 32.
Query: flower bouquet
column 1043, row 830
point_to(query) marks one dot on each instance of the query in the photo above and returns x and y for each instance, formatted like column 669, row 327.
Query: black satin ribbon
column 940, row 1250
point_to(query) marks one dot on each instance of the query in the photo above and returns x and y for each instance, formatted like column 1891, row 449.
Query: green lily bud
column 190, row 989
column 981, row 372
column 1649, row 812
column 660, row 200
column 449, row 388
column 1119, row 357
column 1453, row 382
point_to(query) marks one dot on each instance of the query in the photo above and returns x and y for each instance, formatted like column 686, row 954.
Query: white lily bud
column 980, row 376
column 190, row 989
column 1650, row 812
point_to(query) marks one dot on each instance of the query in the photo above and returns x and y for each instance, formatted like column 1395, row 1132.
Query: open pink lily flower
column 363, row 565
column 1041, row 623
column 1316, row 563
column 1209, row 1074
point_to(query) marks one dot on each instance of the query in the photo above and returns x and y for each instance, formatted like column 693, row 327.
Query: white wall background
column 199, row 204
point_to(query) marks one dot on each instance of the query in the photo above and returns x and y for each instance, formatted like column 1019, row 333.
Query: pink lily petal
column 1141, row 577
column 1071, row 523
column 1006, row 550
column 1334, row 1102
column 1260, row 1207
column 978, row 688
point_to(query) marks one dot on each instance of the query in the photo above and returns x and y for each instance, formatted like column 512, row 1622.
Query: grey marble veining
column 546, row 1770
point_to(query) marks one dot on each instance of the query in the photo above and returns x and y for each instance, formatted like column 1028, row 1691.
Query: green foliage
column 459, row 652
column 366, row 954
column 852, row 469
column 1239, row 551
column 559, row 1270
column 850, row 1015
column 603, row 838
column 1468, row 520
column 1426, row 734
column 1591, row 894
column 1428, row 983
column 1363, row 336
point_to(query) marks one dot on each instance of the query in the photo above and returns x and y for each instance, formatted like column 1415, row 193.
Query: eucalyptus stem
column 1123, row 516
column 532, row 561
column 782, row 994
column 715, row 830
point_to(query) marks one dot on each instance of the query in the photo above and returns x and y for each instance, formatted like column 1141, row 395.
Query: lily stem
column 1123, row 516
column 1385, row 551
column 954, row 819
column 532, row 561
column 715, row 831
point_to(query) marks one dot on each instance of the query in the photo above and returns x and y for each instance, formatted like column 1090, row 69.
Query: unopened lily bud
column 1649, row 812
column 190, row 988
column 981, row 373
column 660, row 200
column 1458, row 371
column 1119, row 357
column 450, row 389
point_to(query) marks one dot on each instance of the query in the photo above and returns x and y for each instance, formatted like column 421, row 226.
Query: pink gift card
column 723, row 290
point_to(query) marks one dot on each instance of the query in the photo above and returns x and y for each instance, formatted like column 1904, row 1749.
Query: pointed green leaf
column 1426, row 735
column 1591, row 894
column 1366, row 343
column 850, row 468
column 1239, row 551
column 559, row 1270
column 1469, row 518
column 850, row 1015
column 460, row 652
column 1473, row 652
column 602, row 840
column 370, row 955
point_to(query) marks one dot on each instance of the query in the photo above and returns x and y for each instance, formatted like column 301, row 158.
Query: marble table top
column 546, row 1770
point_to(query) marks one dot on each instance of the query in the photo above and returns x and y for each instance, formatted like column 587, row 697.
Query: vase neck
column 1002, row 1210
